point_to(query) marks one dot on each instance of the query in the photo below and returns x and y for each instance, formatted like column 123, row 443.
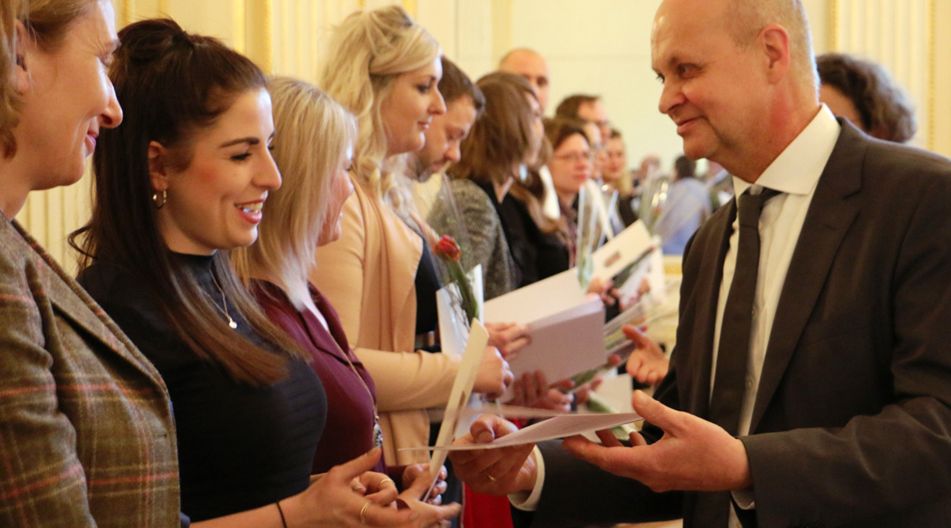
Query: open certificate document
column 634, row 264
column 560, row 426
column 467, row 341
column 565, row 323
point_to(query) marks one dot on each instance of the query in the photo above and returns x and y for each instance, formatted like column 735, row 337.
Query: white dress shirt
column 794, row 173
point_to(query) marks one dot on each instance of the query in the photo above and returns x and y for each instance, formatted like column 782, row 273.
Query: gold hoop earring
column 159, row 200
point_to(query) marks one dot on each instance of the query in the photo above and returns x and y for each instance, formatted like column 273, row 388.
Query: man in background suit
column 830, row 405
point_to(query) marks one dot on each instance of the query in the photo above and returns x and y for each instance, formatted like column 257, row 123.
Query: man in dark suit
column 811, row 382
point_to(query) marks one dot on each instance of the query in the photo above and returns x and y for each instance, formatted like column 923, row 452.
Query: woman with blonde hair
column 313, row 152
column 85, row 422
column 385, row 69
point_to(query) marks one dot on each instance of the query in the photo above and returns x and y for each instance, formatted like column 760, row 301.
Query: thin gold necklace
column 224, row 302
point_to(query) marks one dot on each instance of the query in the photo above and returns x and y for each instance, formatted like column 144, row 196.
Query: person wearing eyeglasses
column 571, row 165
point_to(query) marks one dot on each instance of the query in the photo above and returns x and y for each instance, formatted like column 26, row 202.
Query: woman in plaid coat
column 86, row 431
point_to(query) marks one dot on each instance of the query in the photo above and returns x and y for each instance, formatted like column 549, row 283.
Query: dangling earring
column 159, row 200
column 522, row 173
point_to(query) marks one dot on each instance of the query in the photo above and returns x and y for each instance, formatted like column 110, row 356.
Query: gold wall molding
column 833, row 25
column 899, row 35
column 501, row 28
column 128, row 12
column 258, row 24
column 932, row 90
column 238, row 20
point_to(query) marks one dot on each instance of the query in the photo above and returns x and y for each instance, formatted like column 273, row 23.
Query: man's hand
column 693, row 455
column 494, row 471
column 647, row 363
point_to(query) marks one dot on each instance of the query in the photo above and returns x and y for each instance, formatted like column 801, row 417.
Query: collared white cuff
column 528, row 501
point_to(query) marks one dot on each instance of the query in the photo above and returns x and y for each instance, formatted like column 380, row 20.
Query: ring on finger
column 363, row 512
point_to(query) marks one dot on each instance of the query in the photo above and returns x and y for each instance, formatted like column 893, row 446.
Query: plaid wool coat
column 86, row 430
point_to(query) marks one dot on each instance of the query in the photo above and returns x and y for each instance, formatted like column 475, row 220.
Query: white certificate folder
column 566, row 326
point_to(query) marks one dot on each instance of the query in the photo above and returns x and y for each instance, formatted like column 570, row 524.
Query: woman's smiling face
column 215, row 202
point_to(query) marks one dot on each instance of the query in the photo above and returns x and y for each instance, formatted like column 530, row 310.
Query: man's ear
column 775, row 42
column 24, row 47
column 158, row 166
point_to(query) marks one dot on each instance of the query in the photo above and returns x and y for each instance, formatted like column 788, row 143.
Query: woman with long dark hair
column 182, row 184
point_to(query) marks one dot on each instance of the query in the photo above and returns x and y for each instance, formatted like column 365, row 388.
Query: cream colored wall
column 598, row 46
column 940, row 89
column 898, row 36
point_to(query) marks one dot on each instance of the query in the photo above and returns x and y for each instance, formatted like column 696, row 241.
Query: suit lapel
column 833, row 209
column 707, row 289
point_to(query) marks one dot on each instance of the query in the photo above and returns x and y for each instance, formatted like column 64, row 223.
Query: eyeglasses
column 574, row 157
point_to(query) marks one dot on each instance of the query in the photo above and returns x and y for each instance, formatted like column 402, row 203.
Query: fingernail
column 485, row 437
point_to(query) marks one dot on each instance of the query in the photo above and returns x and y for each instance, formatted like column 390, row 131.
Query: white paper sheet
column 550, row 429
column 453, row 324
column 460, row 396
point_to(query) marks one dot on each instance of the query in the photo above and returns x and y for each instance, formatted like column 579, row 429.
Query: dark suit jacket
column 852, row 422
column 86, row 431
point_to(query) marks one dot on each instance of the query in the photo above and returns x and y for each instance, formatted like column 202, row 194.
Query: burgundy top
column 349, row 429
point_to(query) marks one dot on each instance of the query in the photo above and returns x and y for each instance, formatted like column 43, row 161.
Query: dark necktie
column 734, row 349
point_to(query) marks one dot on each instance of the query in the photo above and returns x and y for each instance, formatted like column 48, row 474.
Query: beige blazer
column 369, row 277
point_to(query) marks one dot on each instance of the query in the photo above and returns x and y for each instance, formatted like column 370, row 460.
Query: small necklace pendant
column 232, row 324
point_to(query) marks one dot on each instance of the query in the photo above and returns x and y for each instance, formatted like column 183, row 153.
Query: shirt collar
column 797, row 168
